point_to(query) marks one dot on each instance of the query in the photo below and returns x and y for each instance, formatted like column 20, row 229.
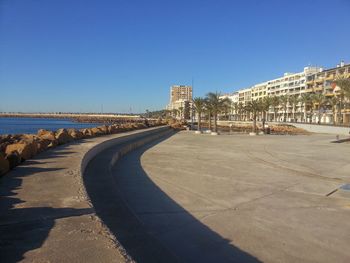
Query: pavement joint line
column 332, row 192
column 295, row 171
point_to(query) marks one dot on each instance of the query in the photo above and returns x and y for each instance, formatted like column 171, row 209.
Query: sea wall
column 15, row 149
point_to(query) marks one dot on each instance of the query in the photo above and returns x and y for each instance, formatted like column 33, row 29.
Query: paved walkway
column 237, row 198
column 45, row 215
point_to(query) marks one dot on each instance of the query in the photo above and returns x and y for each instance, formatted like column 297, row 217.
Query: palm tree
column 318, row 99
column 294, row 100
column 284, row 102
column 333, row 102
column 209, row 111
column 305, row 100
column 240, row 110
column 247, row 112
column 175, row 112
column 226, row 107
column 275, row 101
column 217, row 105
column 254, row 107
column 236, row 109
column 181, row 111
column 265, row 106
column 199, row 104
column 344, row 84
column 344, row 92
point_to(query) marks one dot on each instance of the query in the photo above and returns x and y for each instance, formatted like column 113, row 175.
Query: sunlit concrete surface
column 236, row 198
column 45, row 215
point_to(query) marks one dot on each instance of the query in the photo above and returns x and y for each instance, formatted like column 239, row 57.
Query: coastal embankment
column 15, row 149
column 45, row 213
column 79, row 117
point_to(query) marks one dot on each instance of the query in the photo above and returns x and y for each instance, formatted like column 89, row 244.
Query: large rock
column 63, row 137
column 103, row 129
column 4, row 165
column 48, row 135
column 14, row 159
column 3, row 146
column 75, row 134
column 45, row 136
column 96, row 131
column 43, row 144
column 86, row 132
column 24, row 149
column 112, row 129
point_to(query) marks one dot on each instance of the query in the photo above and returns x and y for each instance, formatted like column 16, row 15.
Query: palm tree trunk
column 209, row 124
column 319, row 116
column 264, row 120
column 199, row 121
column 254, row 122
column 215, row 122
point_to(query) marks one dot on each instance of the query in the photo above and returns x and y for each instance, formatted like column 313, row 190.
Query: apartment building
column 324, row 82
column 180, row 92
column 311, row 80
column 181, row 101
column 245, row 96
column 234, row 98
column 259, row 91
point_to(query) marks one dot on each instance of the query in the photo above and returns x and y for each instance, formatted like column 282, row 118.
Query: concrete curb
column 109, row 207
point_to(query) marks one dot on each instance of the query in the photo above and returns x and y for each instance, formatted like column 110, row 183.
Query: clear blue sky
column 70, row 55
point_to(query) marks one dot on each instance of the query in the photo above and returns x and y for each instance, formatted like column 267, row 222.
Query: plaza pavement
column 236, row 198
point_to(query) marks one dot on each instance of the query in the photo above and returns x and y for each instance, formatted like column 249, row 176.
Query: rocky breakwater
column 15, row 149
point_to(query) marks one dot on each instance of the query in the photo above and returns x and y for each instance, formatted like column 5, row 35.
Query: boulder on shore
column 4, row 165
column 75, row 134
column 103, row 129
column 86, row 132
column 96, row 131
column 45, row 136
column 24, row 149
column 63, row 137
column 112, row 129
column 48, row 135
column 14, row 159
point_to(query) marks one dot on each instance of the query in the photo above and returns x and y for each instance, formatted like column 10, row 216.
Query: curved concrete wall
column 136, row 140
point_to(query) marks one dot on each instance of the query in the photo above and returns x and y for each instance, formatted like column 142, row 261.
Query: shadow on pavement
column 163, row 231
column 23, row 229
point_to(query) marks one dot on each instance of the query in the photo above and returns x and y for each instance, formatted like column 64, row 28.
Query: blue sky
column 70, row 55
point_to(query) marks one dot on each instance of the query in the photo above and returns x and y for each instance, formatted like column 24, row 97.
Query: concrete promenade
column 45, row 215
column 182, row 198
column 235, row 198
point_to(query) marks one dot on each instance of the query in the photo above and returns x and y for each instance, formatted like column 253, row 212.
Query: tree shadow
column 26, row 228
column 154, row 228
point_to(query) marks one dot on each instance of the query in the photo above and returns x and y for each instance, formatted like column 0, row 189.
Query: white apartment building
column 259, row 91
column 181, row 100
column 291, row 84
column 234, row 98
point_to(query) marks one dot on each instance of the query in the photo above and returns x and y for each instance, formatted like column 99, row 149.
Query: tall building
column 180, row 101
column 180, row 92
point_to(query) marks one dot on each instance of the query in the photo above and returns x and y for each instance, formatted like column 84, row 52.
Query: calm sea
column 32, row 125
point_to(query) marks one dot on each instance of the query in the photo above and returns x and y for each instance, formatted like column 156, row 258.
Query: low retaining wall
column 102, row 190
column 144, row 137
column 323, row 128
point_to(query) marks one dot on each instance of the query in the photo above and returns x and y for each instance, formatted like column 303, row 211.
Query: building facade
column 180, row 104
column 312, row 80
